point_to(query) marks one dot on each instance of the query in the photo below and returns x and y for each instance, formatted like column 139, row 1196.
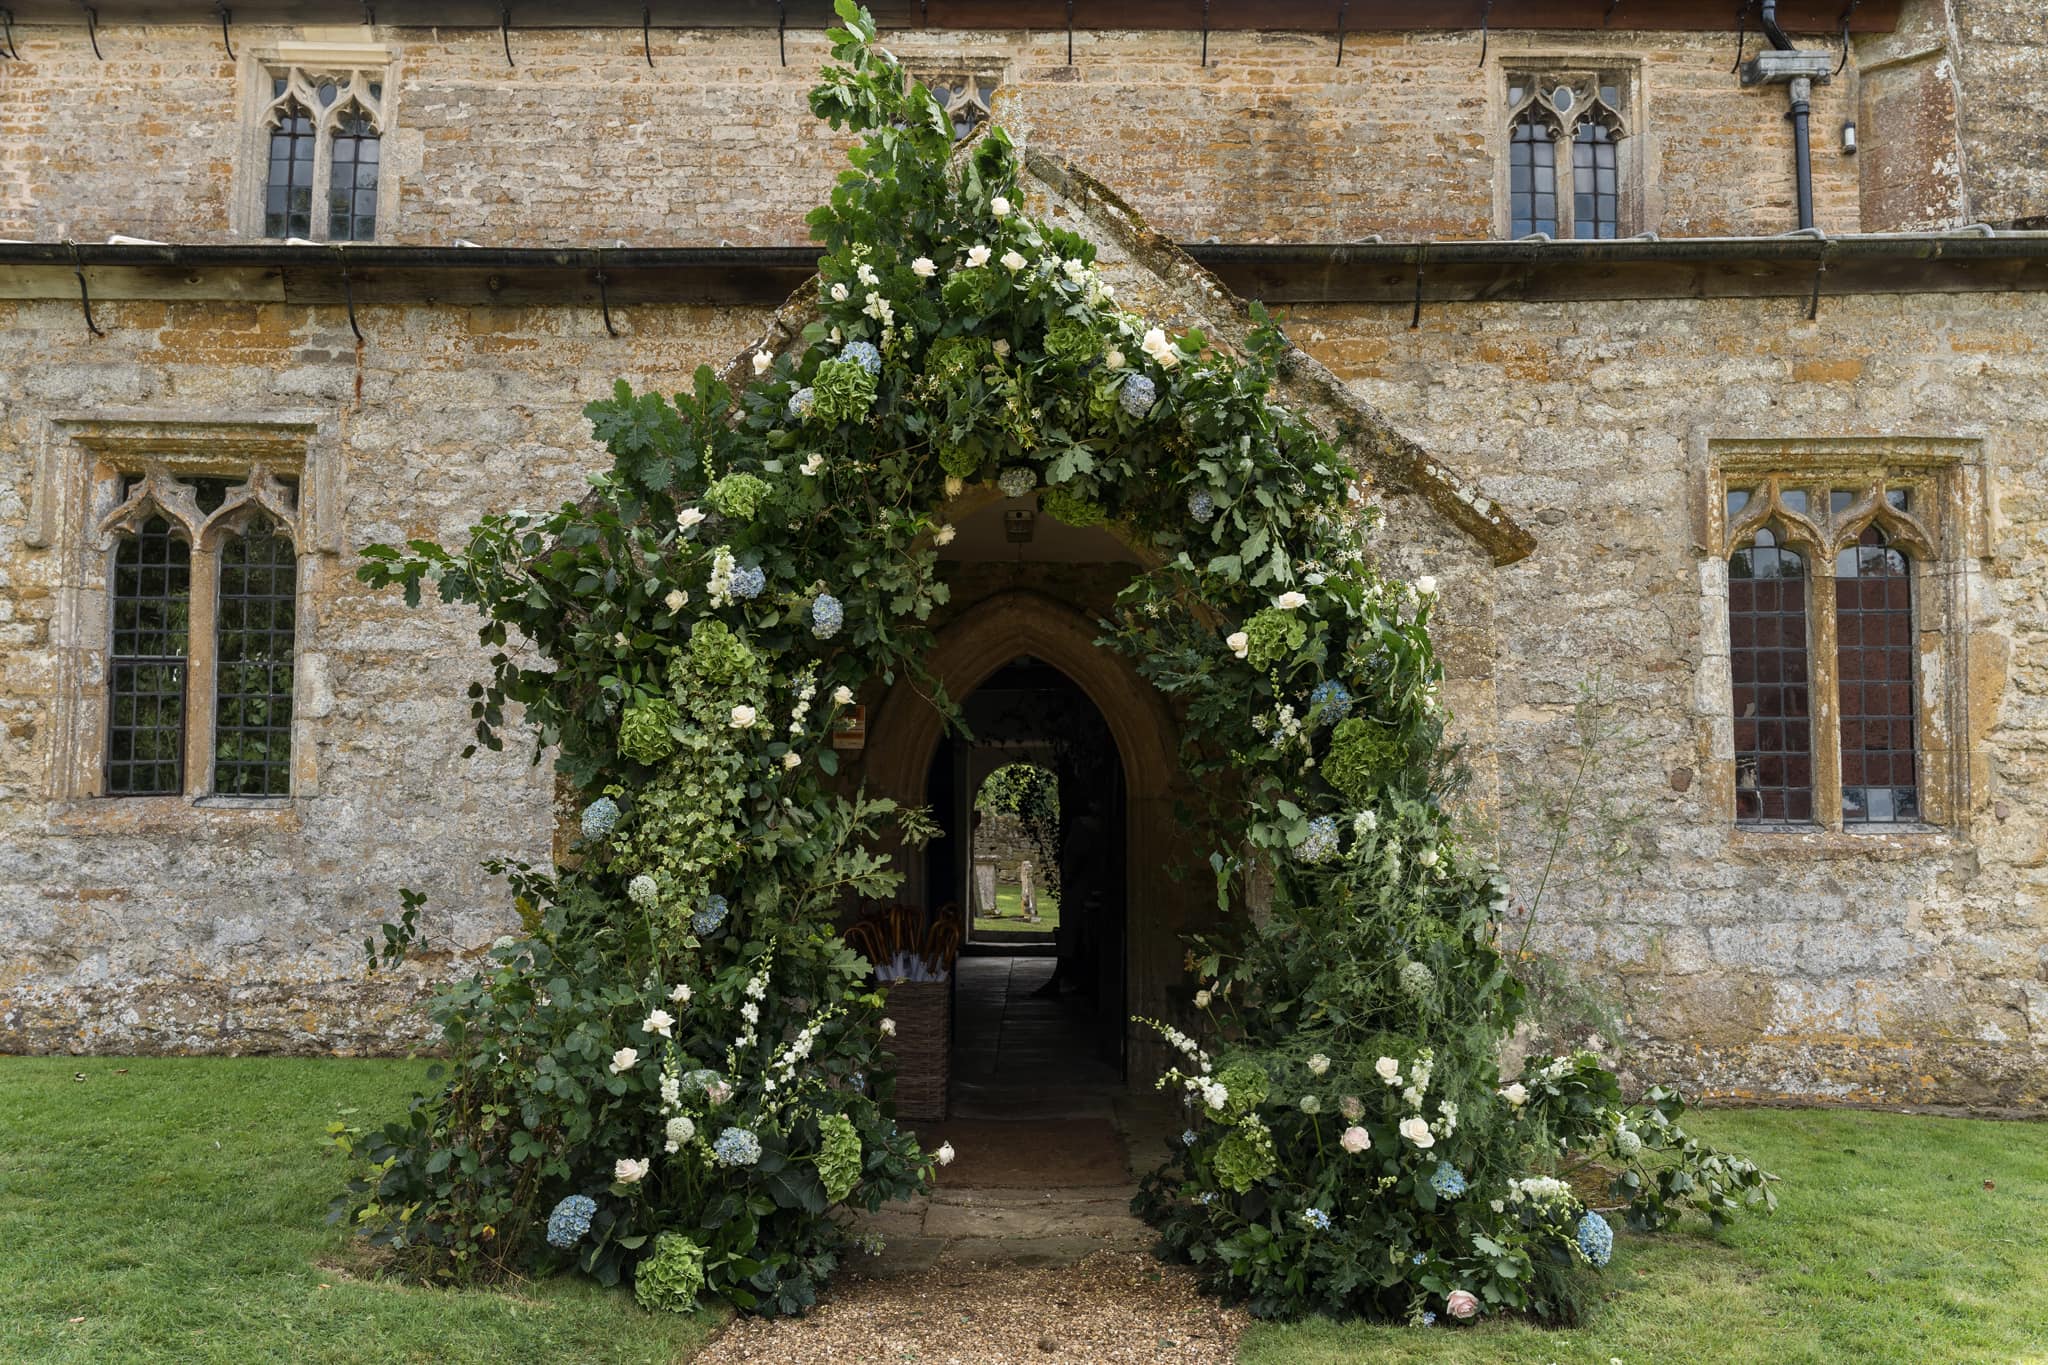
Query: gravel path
column 1113, row 1308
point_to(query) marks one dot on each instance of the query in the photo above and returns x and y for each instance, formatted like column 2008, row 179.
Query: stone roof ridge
column 1357, row 427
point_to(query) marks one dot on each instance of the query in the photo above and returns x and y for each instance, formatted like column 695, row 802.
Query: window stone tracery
column 323, row 126
column 1565, row 162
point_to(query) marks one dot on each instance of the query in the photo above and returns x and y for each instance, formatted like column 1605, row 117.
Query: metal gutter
column 1800, row 265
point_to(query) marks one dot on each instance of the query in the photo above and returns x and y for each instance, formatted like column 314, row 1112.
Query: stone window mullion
column 202, row 654
column 1823, row 654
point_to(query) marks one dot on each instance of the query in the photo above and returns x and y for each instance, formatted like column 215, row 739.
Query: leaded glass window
column 1874, row 633
column 1564, row 155
column 1596, row 197
column 965, row 98
column 1767, row 656
column 326, row 142
column 1532, row 179
column 146, row 670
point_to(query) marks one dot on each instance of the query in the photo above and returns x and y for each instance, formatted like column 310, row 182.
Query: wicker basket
column 923, row 1011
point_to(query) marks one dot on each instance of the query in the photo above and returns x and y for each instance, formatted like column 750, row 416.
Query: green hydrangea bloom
column 671, row 1278
column 1071, row 341
column 843, row 392
column 1246, row 1157
column 952, row 360
column 716, row 658
column 1272, row 635
column 838, row 1156
column 1247, row 1084
column 644, row 730
column 737, row 496
column 1361, row 753
column 1061, row 505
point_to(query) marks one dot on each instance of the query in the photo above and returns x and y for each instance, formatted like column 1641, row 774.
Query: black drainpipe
column 1799, row 92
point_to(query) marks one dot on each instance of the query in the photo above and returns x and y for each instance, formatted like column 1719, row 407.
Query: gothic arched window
column 1875, row 646
column 1767, row 658
column 1564, row 154
column 255, row 624
column 151, row 606
column 1532, row 179
column 326, row 139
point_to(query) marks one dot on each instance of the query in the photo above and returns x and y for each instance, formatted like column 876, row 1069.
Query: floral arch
column 678, row 1070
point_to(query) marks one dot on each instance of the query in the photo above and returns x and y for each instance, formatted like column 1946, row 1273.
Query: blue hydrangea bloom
column 736, row 1147
column 708, row 919
column 1187, row 1139
column 863, row 354
column 1202, row 505
column 1596, row 1238
column 1317, row 1219
column 747, row 581
column 800, row 402
column 827, row 616
column 1138, row 394
column 600, row 817
column 1320, row 845
column 1429, row 1319
column 570, row 1221
column 1206, row 1197
column 1017, row 481
column 1447, row 1181
column 1334, row 698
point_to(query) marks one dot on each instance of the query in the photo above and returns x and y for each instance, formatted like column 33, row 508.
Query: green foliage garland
column 679, row 1033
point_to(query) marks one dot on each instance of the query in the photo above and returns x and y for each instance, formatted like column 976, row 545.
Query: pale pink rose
column 1462, row 1303
column 1355, row 1140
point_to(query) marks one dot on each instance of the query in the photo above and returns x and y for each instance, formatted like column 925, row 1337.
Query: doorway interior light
column 1019, row 523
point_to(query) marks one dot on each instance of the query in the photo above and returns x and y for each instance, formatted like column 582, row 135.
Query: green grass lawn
column 1010, row 901
column 1888, row 1246
column 173, row 1210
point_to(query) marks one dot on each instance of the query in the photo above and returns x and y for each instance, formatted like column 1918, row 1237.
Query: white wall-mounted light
column 1848, row 139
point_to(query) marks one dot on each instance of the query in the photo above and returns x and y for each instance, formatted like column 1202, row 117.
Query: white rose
column 999, row 206
column 944, row 535
column 944, row 1156
column 680, row 995
column 792, row 759
column 1012, row 261
column 1159, row 348
column 1290, row 600
column 743, row 717
column 762, row 360
column 1318, row 1064
column 659, row 1021
column 888, row 1027
column 977, row 256
column 1113, row 358
column 839, row 293
column 1417, row 1132
column 689, row 517
column 1355, row 1140
column 629, row 1172
column 843, row 695
column 1515, row 1094
column 813, row 463
column 923, row 268
column 624, row 1059
column 955, row 485
column 1427, row 857
column 1389, row 1070
column 1001, row 348
column 1239, row 642
column 1202, row 999
column 1426, row 585
column 676, row 600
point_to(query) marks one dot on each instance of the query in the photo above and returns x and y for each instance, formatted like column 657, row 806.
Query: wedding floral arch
column 679, row 1070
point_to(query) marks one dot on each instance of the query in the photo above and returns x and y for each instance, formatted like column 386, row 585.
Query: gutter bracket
column 84, row 294
column 604, row 301
column 782, row 30
column 1485, row 25
column 1205, row 33
column 505, row 32
column 1070, row 32
column 1343, row 10
column 92, row 29
column 646, row 34
column 7, row 22
column 348, row 292
column 1848, row 11
column 226, row 17
column 1820, row 268
column 1415, row 318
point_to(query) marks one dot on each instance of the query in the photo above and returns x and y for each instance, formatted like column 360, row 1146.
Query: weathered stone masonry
column 1905, row 967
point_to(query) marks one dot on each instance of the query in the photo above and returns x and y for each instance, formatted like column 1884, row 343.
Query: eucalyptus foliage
column 680, row 1037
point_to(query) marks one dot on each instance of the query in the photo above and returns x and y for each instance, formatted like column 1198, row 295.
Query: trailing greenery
column 1030, row 795
column 674, row 1049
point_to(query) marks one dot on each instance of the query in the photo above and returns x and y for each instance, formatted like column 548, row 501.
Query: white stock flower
column 999, row 206
column 1202, row 999
column 1318, row 1064
column 944, row 1156
column 888, row 1027
column 743, row 716
column 751, row 1012
column 923, row 268
column 1012, row 261
column 955, row 485
column 1389, row 1070
column 1417, row 1132
column 1240, row 643
column 842, row 694
column 659, row 1021
column 867, row 276
column 1075, row 268
column 629, row 1172
column 944, row 535
column 1515, row 1093
column 880, row 309
column 1159, row 348
column 977, row 256
column 676, row 600
column 839, row 293
column 1291, row 600
column 762, row 360
column 624, row 1059
column 792, row 759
